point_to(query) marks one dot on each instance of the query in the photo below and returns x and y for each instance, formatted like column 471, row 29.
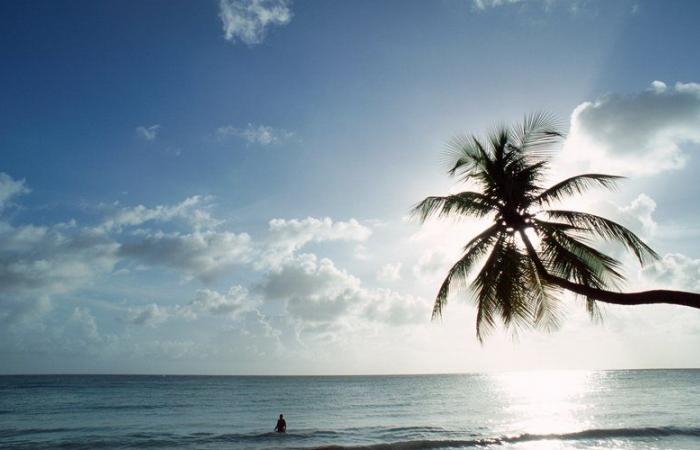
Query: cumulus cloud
column 640, row 134
column 17, row 308
column 675, row 270
column 10, row 188
column 149, row 133
column 642, row 209
column 80, row 332
column 206, row 301
column 316, row 293
column 248, row 20
column 39, row 262
column 230, row 303
column 193, row 210
column 200, row 254
column 150, row 315
column 46, row 260
column 315, row 289
column 393, row 308
column 389, row 272
column 432, row 264
column 287, row 236
column 254, row 134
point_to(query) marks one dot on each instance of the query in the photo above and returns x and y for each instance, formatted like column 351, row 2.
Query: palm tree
column 521, row 281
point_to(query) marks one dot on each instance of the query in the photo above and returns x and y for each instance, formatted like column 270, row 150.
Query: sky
column 223, row 187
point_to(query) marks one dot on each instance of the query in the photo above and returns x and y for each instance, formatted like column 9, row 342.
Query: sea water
column 641, row 409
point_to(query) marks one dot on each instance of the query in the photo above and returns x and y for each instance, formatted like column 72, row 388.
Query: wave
column 591, row 434
column 305, row 439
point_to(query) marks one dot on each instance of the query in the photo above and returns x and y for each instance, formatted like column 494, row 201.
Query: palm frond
column 563, row 262
column 547, row 314
column 607, row 229
column 536, row 134
column 464, row 155
column 499, row 289
column 576, row 185
column 605, row 266
column 499, row 139
column 510, row 286
column 512, row 295
column 474, row 250
column 579, row 267
column 484, row 287
column 463, row 204
column 594, row 311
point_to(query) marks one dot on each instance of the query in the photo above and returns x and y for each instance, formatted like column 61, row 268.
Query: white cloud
column 389, row 272
column 315, row 289
column 573, row 7
column 193, row 210
column 675, row 271
column 149, row 133
column 483, row 4
column 10, row 188
column 201, row 254
column 316, row 293
column 17, row 308
column 206, row 301
column 248, row 20
column 39, row 262
column 390, row 307
column 432, row 264
column 45, row 260
column 287, row 236
column 230, row 303
column 642, row 209
column 255, row 134
column 150, row 315
column 639, row 134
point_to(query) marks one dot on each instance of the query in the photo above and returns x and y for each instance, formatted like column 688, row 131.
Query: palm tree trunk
column 619, row 298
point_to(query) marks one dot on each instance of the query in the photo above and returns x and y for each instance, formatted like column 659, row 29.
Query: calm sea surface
column 534, row 410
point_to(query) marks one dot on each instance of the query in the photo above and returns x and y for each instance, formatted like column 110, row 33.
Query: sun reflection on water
column 546, row 402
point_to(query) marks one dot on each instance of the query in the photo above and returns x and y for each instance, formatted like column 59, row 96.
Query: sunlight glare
column 547, row 402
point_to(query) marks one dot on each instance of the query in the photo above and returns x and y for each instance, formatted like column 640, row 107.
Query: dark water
column 538, row 410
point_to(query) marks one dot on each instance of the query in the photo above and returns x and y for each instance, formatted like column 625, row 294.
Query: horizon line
column 337, row 375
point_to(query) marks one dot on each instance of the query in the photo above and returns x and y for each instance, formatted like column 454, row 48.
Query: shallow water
column 543, row 410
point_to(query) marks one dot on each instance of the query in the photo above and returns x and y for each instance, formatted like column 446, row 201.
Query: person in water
column 281, row 425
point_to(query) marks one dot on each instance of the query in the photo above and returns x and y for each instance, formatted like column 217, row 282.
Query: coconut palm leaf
column 464, row 155
column 484, row 287
column 514, row 299
column 606, row 266
column 459, row 272
column 607, row 229
column 462, row 204
column 536, row 134
column 547, row 315
column 576, row 185
column 518, row 287
column 566, row 264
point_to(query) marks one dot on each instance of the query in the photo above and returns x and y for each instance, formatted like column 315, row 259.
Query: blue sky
column 222, row 187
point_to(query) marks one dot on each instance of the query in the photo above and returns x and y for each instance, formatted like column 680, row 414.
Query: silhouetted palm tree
column 520, row 281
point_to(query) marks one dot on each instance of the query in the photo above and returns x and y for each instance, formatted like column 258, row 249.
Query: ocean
column 639, row 409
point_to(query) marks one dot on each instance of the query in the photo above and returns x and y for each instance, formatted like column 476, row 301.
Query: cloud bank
column 640, row 134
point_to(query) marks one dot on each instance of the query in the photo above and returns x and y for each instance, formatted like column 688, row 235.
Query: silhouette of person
column 281, row 425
